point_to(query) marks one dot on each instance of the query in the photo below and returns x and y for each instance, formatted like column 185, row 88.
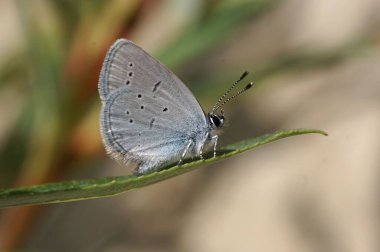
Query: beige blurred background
column 316, row 65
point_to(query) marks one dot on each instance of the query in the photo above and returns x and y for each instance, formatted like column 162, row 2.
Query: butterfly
column 148, row 116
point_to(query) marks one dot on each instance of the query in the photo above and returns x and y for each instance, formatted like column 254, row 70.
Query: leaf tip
column 324, row 133
column 317, row 131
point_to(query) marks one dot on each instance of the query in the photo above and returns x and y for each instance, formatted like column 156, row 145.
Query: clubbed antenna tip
column 243, row 75
column 249, row 85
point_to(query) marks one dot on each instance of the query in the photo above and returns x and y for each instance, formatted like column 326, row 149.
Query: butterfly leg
column 185, row 151
column 202, row 145
column 201, row 149
column 214, row 139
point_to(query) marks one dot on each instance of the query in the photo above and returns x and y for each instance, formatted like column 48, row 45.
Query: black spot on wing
column 156, row 86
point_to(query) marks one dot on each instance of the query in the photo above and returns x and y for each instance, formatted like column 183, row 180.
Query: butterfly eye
column 216, row 121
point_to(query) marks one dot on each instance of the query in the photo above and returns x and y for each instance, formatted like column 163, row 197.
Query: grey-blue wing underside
column 148, row 114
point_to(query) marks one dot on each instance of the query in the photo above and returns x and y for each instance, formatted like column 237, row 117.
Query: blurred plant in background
column 51, row 54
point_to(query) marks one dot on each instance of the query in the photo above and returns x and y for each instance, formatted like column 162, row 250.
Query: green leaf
column 105, row 187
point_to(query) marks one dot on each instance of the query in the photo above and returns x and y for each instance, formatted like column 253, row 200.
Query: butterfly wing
column 148, row 114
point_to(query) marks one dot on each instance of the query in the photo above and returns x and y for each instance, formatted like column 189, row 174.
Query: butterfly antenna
column 248, row 86
column 228, row 91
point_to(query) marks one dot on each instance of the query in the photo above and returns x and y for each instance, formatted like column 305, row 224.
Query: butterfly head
column 216, row 121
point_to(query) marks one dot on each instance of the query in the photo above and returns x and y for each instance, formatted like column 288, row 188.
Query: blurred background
column 316, row 65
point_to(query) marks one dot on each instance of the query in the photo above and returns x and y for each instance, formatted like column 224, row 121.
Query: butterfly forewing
column 127, row 64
